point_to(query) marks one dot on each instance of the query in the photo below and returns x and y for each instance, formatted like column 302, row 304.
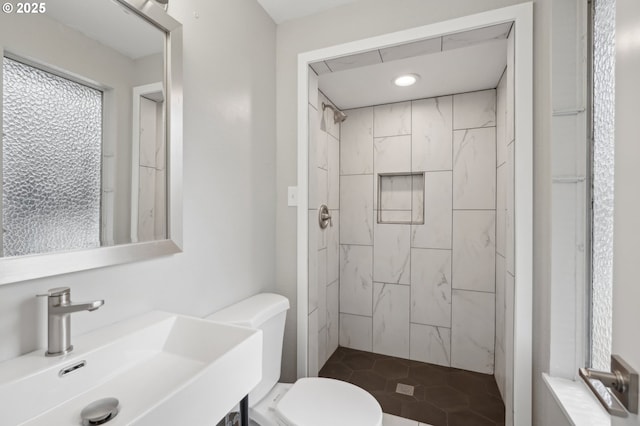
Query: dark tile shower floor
column 442, row 396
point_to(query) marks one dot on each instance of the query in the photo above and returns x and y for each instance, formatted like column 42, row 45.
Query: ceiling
column 110, row 24
column 457, row 63
column 286, row 10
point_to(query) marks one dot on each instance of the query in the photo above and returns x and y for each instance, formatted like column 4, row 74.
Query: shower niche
column 400, row 198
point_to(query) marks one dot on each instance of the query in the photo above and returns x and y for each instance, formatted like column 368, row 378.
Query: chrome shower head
column 338, row 116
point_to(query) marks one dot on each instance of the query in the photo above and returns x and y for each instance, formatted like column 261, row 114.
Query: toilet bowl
column 311, row 401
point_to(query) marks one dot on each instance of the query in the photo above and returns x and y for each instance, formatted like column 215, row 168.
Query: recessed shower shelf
column 400, row 198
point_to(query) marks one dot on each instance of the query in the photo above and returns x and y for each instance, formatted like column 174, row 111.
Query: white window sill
column 577, row 402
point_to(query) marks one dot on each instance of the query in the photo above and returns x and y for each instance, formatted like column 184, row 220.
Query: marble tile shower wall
column 324, row 180
column 505, row 254
column 421, row 291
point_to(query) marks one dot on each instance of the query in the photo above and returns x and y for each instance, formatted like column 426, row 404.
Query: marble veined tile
column 321, row 180
column 333, row 248
column 431, row 344
column 312, row 298
column 431, row 287
column 356, row 281
column 391, row 319
column 322, row 156
column 474, row 109
column 314, row 134
column 333, row 182
column 501, row 209
column 395, row 192
column 472, row 331
column 322, row 347
column 501, row 121
column 474, row 250
column 312, row 345
column 356, row 209
column 356, row 332
column 509, row 300
column 323, row 187
column 392, row 119
column 501, row 306
column 474, row 169
column 356, row 144
column 436, row 230
column 322, row 288
column 392, row 253
column 333, row 312
column 394, row 216
column 392, row 154
column 510, row 215
column 500, row 370
column 417, row 198
column 327, row 123
column 431, row 134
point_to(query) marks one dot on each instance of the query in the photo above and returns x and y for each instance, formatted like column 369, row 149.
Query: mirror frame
column 22, row 268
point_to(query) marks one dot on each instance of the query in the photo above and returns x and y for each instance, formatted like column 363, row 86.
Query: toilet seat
column 321, row 402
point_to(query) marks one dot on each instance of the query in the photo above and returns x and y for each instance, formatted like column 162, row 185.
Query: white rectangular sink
column 165, row 370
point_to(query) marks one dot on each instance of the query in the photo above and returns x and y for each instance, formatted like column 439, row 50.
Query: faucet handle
column 56, row 292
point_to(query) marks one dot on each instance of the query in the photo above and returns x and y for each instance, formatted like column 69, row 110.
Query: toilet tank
column 267, row 312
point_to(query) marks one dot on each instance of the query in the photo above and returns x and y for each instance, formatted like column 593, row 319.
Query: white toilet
column 307, row 402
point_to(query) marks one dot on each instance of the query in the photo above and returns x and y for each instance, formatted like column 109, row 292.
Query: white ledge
column 577, row 402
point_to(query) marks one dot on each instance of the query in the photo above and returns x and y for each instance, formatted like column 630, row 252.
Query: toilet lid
column 322, row 402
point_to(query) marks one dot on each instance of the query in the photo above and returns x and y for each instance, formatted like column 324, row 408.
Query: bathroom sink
column 164, row 369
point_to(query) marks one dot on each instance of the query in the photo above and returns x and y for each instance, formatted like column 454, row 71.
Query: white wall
column 148, row 69
column 229, row 192
column 356, row 21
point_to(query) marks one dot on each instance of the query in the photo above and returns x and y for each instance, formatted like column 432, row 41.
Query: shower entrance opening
column 415, row 215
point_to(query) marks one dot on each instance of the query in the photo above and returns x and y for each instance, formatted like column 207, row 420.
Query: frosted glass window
column 603, row 171
column 51, row 152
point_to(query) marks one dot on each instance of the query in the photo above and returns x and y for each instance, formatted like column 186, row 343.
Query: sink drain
column 100, row 412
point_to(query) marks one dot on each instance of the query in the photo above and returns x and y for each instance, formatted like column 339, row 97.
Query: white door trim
column 522, row 16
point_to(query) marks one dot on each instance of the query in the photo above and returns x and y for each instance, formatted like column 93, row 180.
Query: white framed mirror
column 91, row 116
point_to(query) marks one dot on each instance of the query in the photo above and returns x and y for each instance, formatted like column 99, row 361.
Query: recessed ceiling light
column 406, row 80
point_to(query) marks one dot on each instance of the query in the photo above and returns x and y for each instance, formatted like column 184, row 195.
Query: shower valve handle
column 324, row 217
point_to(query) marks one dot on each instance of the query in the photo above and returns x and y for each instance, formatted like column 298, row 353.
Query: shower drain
column 404, row 389
column 100, row 412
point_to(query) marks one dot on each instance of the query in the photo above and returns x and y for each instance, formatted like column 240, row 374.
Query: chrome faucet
column 60, row 308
